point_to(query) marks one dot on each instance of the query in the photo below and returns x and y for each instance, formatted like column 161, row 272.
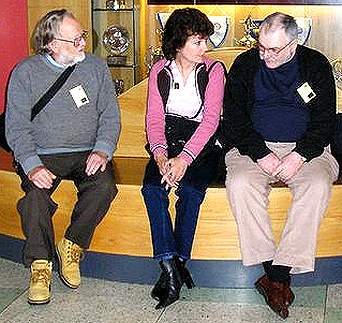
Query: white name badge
column 79, row 96
column 306, row 92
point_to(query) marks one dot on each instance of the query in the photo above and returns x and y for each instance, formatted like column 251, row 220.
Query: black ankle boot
column 173, row 283
column 185, row 273
column 158, row 290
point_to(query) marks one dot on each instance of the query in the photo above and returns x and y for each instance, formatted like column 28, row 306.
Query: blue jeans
column 168, row 241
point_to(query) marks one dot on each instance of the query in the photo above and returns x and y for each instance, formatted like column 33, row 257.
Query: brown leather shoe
column 278, row 295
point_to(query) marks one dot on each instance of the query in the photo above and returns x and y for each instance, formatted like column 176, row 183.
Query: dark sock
column 277, row 273
column 267, row 266
column 280, row 273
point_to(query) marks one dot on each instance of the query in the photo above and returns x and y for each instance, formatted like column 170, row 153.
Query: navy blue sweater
column 278, row 115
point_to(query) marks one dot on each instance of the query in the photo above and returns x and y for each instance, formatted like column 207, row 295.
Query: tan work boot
column 69, row 256
column 40, row 283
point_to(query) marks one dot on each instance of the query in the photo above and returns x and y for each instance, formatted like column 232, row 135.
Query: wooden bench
column 125, row 229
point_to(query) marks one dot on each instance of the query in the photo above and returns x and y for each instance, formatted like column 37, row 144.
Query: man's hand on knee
column 96, row 160
column 41, row 177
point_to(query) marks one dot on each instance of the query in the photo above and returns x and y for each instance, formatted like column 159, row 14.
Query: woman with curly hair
column 185, row 94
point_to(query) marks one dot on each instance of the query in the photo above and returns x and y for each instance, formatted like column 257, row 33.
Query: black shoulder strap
column 203, row 80
column 50, row 93
column 163, row 82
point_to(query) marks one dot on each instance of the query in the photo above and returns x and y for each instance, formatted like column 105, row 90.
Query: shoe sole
column 61, row 274
column 261, row 291
column 40, row 302
column 163, row 304
column 156, row 297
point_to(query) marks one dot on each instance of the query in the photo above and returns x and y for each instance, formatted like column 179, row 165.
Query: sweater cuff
column 261, row 153
column 105, row 148
column 186, row 157
column 159, row 151
column 31, row 163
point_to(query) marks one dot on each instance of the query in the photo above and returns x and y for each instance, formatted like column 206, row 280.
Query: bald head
column 277, row 21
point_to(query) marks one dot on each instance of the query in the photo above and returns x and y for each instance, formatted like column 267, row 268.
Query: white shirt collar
column 53, row 62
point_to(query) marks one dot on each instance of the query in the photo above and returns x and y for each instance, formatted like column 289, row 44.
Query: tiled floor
column 103, row 301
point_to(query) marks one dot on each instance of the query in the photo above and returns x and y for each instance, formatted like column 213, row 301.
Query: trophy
column 304, row 29
column 337, row 71
column 153, row 55
column 119, row 86
column 116, row 41
column 251, row 34
column 221, row 28
column 115, row 4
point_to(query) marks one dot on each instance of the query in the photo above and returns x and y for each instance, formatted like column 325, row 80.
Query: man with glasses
column 72, row 137
column 279, row 111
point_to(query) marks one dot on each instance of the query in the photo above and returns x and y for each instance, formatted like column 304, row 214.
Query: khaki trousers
column 248, row 188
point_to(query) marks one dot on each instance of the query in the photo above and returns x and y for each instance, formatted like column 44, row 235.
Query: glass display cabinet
column 115, row 39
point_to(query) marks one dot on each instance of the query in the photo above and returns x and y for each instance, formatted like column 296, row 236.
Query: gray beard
column 79, row 58
column 66, row 61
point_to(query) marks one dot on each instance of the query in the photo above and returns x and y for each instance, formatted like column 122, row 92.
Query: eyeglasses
column 273, row 50
column 77, row 41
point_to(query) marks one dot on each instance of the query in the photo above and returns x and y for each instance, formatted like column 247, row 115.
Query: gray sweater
column 61, row 126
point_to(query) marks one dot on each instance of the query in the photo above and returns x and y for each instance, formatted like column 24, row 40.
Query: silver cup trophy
column 116, row 40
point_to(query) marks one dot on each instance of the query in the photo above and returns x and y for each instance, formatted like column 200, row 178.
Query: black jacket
column 315, row 69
